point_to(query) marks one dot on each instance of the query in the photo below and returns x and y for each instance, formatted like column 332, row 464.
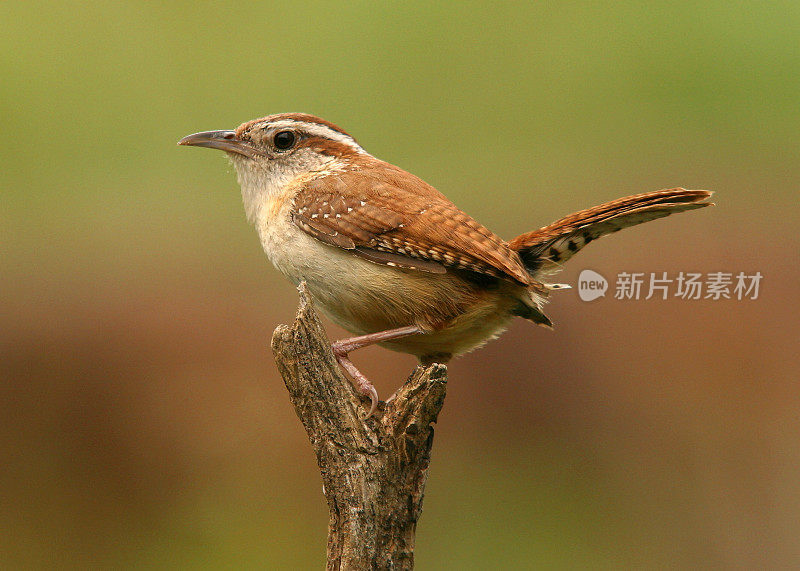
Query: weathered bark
column 373, row 470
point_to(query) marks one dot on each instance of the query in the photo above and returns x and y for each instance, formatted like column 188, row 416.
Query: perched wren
column 386, row 255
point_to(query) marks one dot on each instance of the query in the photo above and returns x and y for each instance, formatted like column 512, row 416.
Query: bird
column 387, row 256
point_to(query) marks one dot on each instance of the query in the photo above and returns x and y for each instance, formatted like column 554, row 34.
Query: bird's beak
column 222, row 140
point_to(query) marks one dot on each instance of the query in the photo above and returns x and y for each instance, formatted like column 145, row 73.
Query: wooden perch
column 374, row 470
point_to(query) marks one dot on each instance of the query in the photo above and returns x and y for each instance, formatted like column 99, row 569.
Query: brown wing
column 391, row 217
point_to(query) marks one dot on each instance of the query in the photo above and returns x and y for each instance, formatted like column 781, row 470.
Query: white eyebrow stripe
column 318, row 130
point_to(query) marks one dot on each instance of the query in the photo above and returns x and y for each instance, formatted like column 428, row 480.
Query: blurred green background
column 142, row 420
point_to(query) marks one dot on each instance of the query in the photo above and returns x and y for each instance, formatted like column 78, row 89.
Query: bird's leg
column 342, row 347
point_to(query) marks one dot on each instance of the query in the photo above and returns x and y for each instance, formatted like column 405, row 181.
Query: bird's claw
column 362, row 383
column 343, row 347
column 373, row 395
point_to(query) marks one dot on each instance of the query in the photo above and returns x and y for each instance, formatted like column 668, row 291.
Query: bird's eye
column 284, row 140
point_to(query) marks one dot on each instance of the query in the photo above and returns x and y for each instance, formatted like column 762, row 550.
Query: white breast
column 340, row 282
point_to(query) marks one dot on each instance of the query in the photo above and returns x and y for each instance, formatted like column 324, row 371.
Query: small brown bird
column 390, row 258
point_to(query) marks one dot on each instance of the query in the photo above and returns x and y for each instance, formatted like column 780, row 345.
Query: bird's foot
column 343, row 347
column 362, row 383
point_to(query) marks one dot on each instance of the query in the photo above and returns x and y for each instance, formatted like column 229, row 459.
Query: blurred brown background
column 142, row 420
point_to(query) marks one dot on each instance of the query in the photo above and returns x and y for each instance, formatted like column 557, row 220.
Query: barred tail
column 544, row 250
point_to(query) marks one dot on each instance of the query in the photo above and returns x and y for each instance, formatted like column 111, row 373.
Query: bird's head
column 270, row 152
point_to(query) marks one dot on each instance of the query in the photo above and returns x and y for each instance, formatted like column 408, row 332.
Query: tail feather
column 544, row 250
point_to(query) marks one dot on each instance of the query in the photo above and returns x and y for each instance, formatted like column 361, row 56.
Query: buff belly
column 364, row 297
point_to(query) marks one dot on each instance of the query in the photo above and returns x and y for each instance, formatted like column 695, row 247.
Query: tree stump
column 373, row 470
